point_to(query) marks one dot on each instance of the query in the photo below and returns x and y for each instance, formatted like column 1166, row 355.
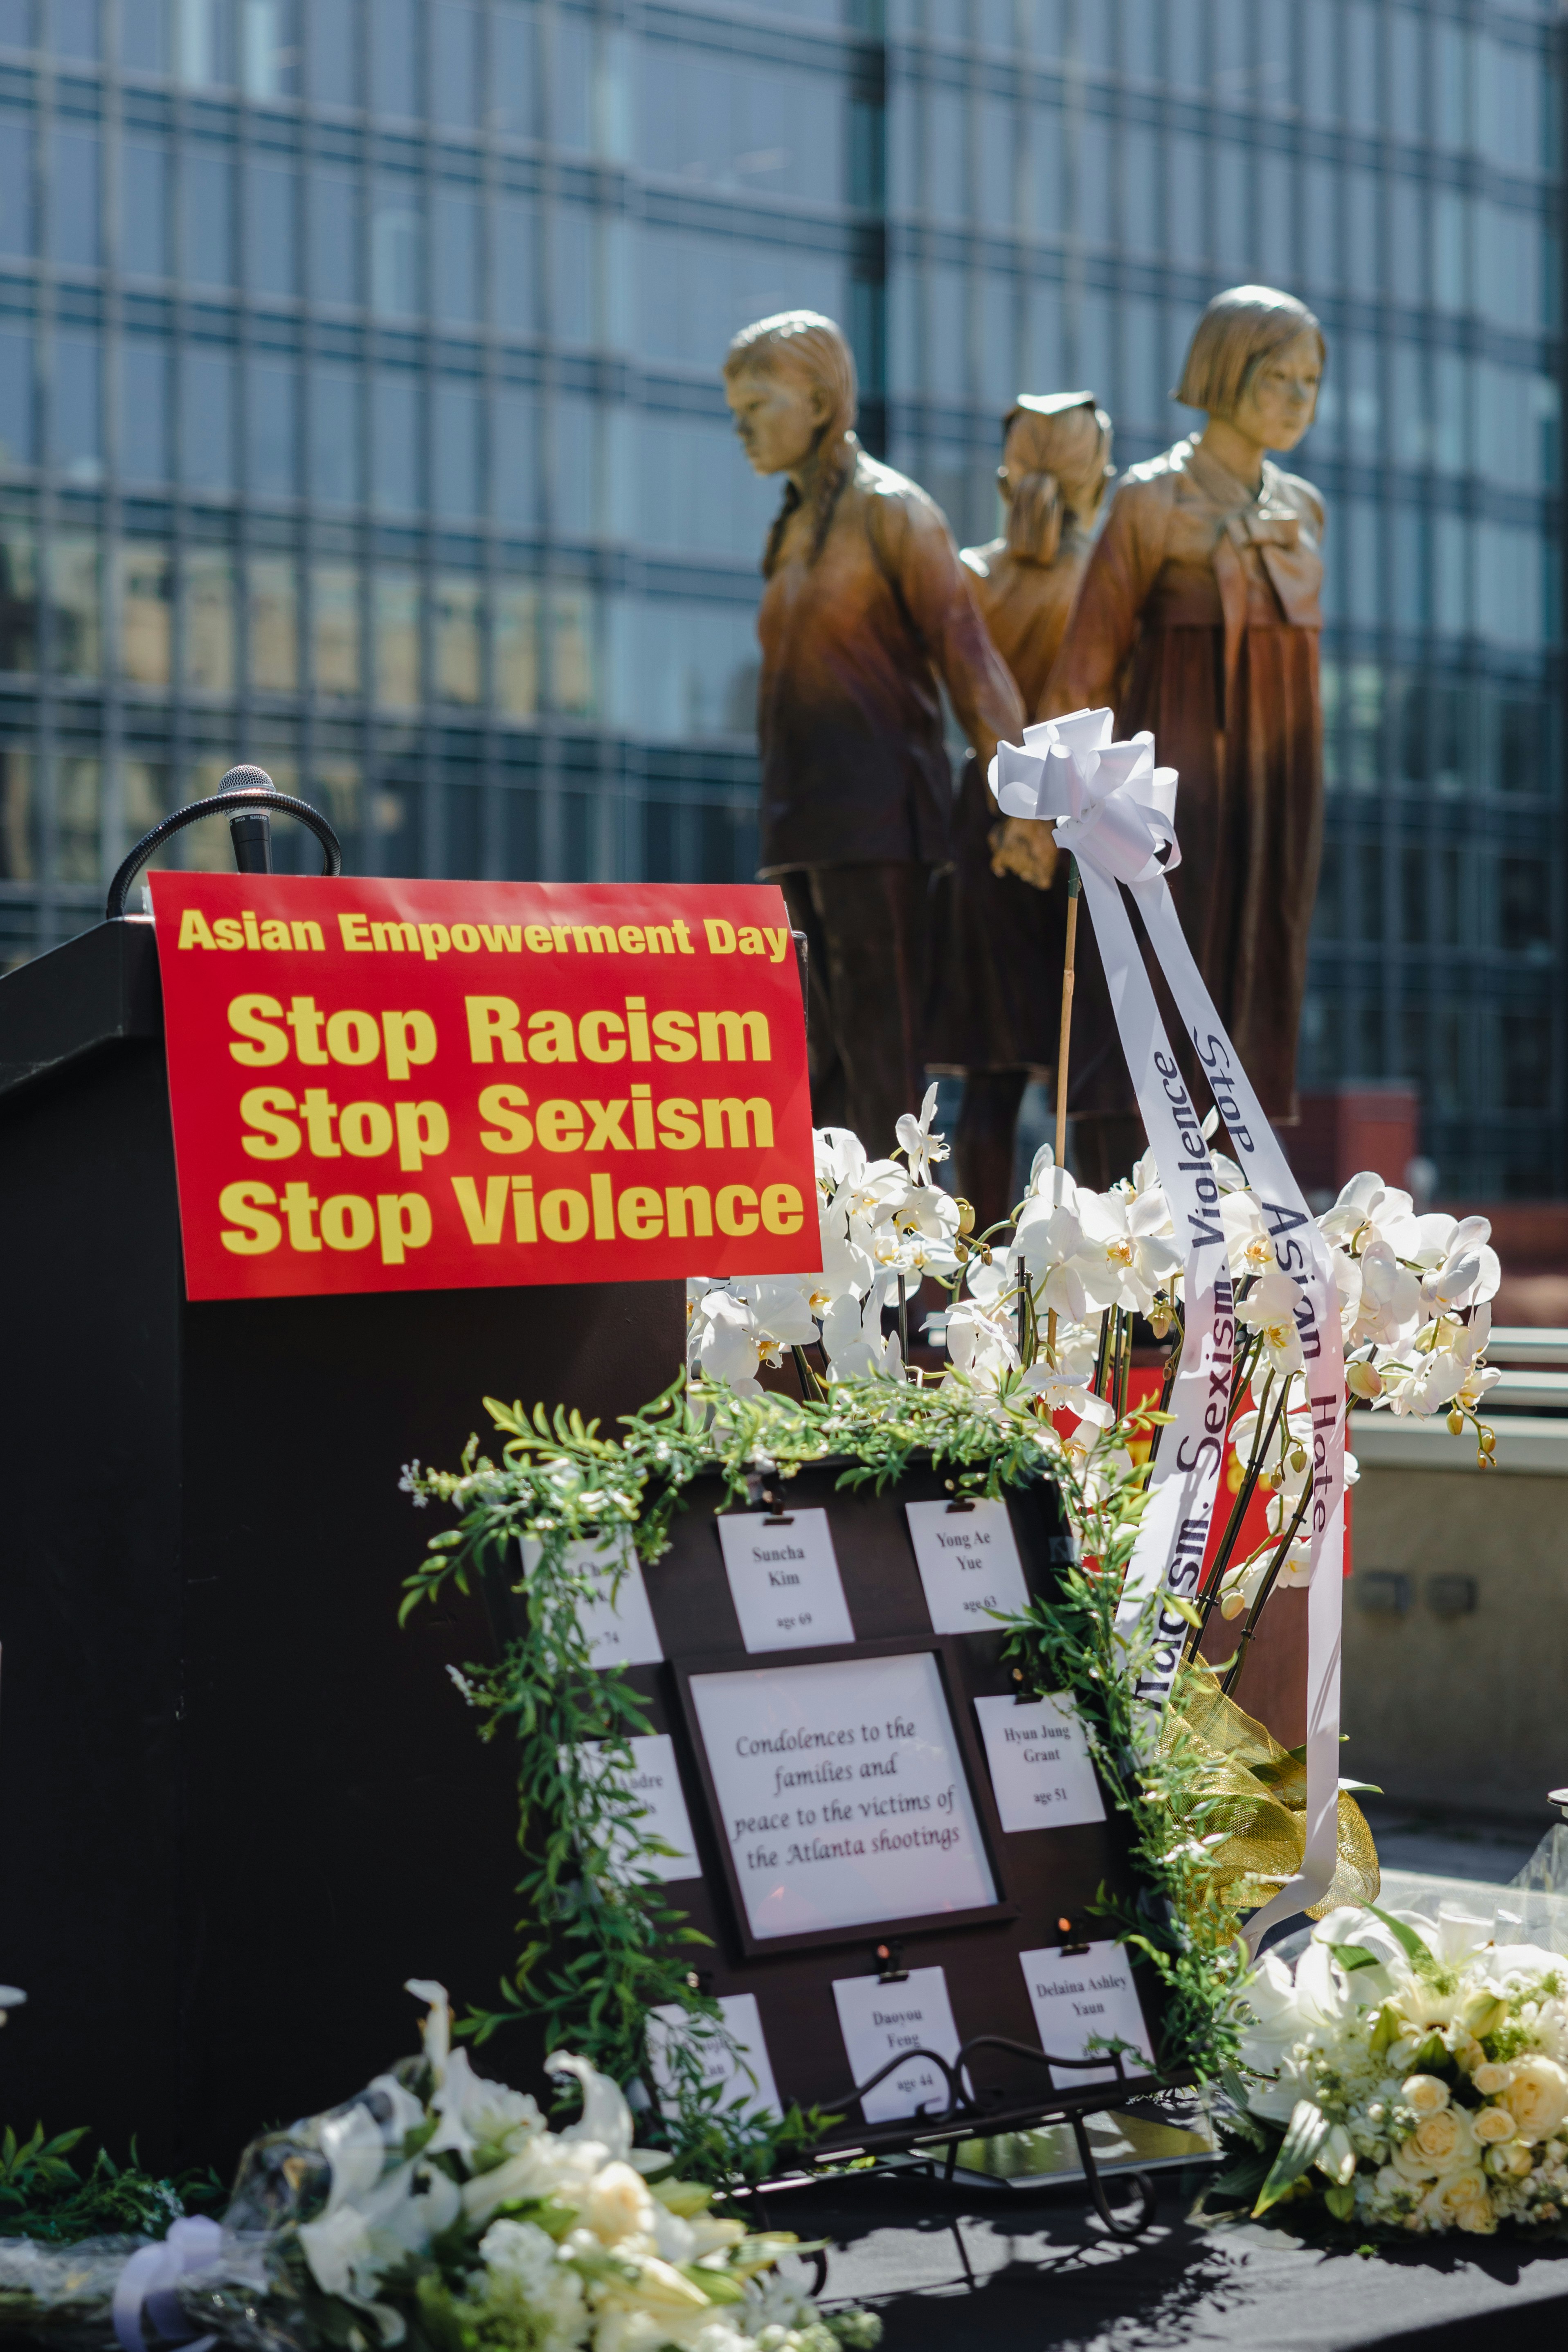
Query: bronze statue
column 998, row 922
column 866, row 608
column 1198, row 617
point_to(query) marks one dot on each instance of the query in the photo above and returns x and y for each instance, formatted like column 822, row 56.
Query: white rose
column 1491, row 2078
column 1537, row 2096
column 618, row 2205
column 1426, row 2094
column 1493, row 2124
column 1447, row 2139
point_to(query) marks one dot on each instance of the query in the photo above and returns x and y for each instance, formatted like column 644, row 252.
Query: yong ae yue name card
column 421, row 1085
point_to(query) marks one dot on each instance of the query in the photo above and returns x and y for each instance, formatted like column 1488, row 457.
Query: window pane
column 207, row 205
column 457, row 633
column 18, row 597
column 73, row 197
column 396, row 637
column 17, row 24
column 145, row 800
column 78, row 432
column 572, row 668
column 77, row 810
column 330, row 32
column 146, row 609
column 334, row 630
column 393, row 67
column 273, row 621
column 144, row 410
column 18, row 830
column 334, row 437
column 74, row 605
column 272, row 394
column 517, row 649
column 454, row 63
column 270, row 265
column 209, row 620
column 395, row 442
column 206, row 421
column 269, row 55
column 15, row 183
column 514, row 463
column 456, row 449
column 395, row 245
column 456, row 278
column 73, row 28
column 15, row 398
column 145, row 38
column 514, row 78
column 513, row 268
column 333, row 226
column 144, row 208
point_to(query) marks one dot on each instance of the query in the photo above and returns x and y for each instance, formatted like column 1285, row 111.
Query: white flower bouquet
column 439, row 2211
column 1414, row 2077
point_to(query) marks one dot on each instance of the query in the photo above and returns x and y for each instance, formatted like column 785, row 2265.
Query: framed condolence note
column 844, row 1793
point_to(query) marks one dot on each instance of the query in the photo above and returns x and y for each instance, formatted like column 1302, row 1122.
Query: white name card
column 784, row 1576
column 1074, row 1996
column 879, row 2022
column 656, row 1784
column 740, row 2067
column 616, row 1618
column 969, row 1563
column 1040, row 1768
column 841, row 1793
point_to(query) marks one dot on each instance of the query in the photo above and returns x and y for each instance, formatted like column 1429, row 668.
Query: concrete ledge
column 1524, row 1441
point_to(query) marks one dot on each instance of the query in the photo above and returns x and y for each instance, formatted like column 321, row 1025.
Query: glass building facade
column 359, row 415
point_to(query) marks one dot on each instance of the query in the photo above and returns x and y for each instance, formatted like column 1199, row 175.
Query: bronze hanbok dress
column 1198, row 617
column 997, row 942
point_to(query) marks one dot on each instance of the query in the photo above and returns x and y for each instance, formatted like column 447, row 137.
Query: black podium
column 240, row 1805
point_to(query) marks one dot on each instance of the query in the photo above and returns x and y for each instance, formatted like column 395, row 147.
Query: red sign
column 424, row 1085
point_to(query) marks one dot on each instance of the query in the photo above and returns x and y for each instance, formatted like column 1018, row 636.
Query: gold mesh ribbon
column 1255, row 1791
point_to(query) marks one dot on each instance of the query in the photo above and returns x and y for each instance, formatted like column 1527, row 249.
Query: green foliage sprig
column 602, row 1947
column 43, row 2196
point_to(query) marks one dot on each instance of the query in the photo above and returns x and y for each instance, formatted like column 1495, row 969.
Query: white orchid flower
column 990, row 1281
column 1050, row 1240
column 1269, row 1309
column 981, row 1346
column 1064, row 1392
column 723, row 1342
column 1049, row 1183
column 1458, row 1266
column 1226, row 1174
column 1389, row 1306
column 1248, row 1244
column 1365, row 1211
column 1124, row 1261
column 852, row 1338
column 781, row 1309
column 1144, row 1187
column 922, row 1148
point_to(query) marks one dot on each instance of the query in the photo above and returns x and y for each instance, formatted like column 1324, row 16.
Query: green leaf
column 1355, row 1956
column 1304, row 2135
column 1419, row 1953
column 1341, row 2200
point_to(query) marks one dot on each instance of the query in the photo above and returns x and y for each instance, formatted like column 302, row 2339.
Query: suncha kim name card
column 784, row 1579
column 968, row 1558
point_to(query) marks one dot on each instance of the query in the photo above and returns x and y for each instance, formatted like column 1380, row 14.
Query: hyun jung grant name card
column 842, row 1794
column 968, row 1558
column 882, row 2021
column 783, row 1578
column 1080, row 1995
column 1041, row 1775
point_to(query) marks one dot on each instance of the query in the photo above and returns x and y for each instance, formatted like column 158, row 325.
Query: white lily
column 920, row 1145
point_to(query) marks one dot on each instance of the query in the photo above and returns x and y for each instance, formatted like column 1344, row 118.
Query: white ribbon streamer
column 148, row 2281
column 1115, row 811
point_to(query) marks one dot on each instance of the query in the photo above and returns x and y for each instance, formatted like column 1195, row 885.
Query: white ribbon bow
column 148, row 2282
column 1109, row 800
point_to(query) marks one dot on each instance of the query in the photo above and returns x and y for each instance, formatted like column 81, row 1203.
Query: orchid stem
column 1233, row 1671
column 1172, row 1362
column 805, row 1373
column 903, row 1321
column 1065, row 1038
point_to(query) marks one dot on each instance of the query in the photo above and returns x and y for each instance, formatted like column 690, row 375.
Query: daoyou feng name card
column 412, row 1086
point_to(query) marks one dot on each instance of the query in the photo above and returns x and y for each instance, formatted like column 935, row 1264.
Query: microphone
column 251, row 830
